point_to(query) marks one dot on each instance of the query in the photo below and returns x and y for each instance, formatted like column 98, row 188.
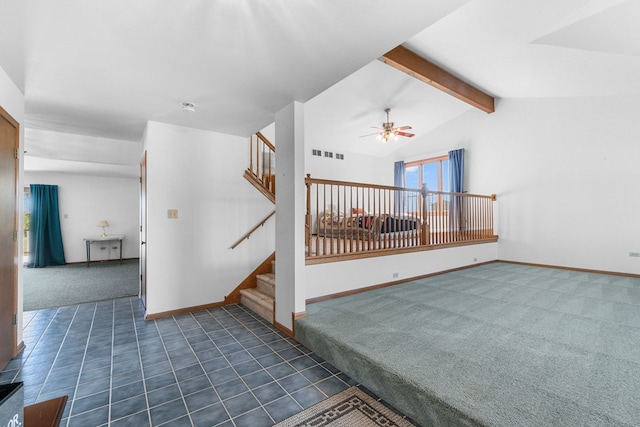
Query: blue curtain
column 45, row 236
column 399, row 181
column 456, row 182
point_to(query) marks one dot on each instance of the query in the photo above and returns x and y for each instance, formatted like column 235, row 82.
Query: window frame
column 441, row 207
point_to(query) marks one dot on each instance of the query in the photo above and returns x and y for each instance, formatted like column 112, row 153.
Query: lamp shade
column 103, row 223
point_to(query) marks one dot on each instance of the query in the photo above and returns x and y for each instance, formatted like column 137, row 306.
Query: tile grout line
column 200, row 362
column 34, row 346
column 59, row 348
column 276, row 380
column 261, row 405
column 113, row 333
column 84, row 355
column 173, row 371
column 231, row 365
column 144, row 382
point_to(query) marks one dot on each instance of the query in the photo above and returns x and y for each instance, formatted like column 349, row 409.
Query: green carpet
column 73, row 284
column 499, row 345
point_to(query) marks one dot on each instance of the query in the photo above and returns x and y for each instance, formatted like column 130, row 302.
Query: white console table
column 88, row 240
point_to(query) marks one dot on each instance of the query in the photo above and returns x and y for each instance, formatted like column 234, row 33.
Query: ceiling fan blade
column 408, row 135
column 369, row 134
column 403, row 128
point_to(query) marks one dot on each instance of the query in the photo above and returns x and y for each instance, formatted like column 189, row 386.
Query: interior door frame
column 12, row 317
column 143, row 229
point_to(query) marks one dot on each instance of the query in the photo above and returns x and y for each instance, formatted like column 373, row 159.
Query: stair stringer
column 250, row 280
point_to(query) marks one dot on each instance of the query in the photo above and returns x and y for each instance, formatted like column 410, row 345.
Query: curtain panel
column 456, row 183
column 45, row 235
column 399, row 181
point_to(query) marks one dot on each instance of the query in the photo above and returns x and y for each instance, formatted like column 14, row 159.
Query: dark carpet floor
column 72, row 284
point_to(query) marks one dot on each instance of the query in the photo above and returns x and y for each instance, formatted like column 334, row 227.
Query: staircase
column 261, row 170
column 261, row 299
column 259, row 294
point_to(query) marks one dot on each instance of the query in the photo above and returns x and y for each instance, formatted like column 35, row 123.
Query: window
column 435, row 173
column 27, row 219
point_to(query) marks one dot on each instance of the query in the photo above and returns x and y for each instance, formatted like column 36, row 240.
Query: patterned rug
column 351, row 408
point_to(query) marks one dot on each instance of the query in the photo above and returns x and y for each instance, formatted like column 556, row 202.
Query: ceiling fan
column 388, row 132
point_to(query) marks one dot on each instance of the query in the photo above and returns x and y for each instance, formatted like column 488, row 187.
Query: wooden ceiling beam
column 413, row 64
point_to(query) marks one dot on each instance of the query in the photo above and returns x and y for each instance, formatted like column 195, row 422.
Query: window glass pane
column 411, row 177
column 430, row 175
column 445, row 175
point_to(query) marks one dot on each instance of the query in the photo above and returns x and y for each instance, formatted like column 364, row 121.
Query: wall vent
column 315, row 152
column 328, row 154
column 339, row 156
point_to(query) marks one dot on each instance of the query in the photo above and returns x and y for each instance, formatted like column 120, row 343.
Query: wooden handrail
column 266, row 141
column 262, row 164
column 310, row 180
column 346, row 219
column 250, row 232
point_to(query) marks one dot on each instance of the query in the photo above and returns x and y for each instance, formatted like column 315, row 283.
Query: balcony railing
column 353, row 220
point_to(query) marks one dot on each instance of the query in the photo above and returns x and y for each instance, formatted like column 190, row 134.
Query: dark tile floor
column 218, row 367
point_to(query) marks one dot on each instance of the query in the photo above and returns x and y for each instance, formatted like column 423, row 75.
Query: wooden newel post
column 424, row 230
column 251, row 153
column 307, row 217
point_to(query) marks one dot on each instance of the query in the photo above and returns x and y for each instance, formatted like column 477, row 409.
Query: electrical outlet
column 114, row 247
column 475, row 260
column 172, row 213
column 102, row 248
column 634, row 254
column 395, row 275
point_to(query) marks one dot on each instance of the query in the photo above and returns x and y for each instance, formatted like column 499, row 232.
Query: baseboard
column 387, row 284
column 183, row 310
column 284, row 329
column 19, row 348
column 95, row 261
column 584, row 270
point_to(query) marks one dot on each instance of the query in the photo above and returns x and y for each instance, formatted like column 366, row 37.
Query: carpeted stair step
column 266, row 283
column 258, row 302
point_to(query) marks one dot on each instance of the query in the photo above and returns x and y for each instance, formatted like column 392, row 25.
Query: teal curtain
column 45, row 236
column 456, row 181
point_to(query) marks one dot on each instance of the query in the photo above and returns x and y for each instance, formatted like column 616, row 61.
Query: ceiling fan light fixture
column 388, row 132
column 189, row 107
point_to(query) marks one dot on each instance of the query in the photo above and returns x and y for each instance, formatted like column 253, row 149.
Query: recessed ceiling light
column 188, row 106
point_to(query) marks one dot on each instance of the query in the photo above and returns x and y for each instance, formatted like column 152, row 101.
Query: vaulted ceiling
column 103, row 69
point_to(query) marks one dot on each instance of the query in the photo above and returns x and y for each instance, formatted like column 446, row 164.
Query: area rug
column 350, row 408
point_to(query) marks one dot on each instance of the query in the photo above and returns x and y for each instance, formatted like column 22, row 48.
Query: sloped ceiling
column 102, row 69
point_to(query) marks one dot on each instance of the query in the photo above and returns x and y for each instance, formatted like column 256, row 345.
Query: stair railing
column 349, row 220
column 248, row 234
column 262, row 161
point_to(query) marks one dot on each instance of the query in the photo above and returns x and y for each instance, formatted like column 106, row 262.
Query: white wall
column 333, row 278
column 355, row 167
column 83, row 201
column 565, row 172
column 12, row 101
column 199, row 173
column 290, row 205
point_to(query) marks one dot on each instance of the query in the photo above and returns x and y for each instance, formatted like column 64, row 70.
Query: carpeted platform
column 499, row 345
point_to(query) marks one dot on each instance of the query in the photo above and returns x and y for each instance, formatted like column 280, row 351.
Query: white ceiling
column 103, row 69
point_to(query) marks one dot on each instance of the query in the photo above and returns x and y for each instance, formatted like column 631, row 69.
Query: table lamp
column 103, row 224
